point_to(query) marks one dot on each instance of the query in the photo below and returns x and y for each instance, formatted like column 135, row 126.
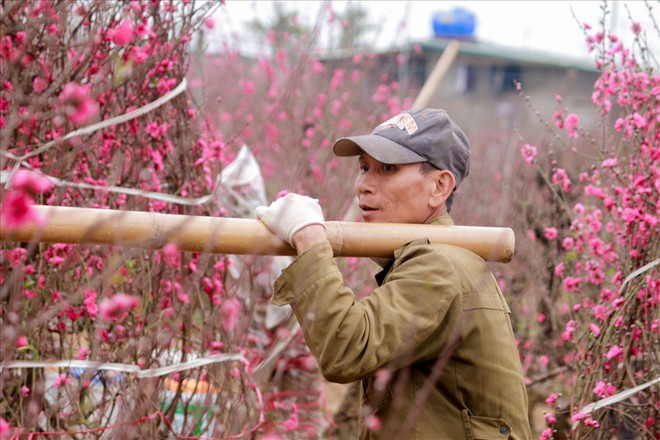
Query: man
column 432, row 345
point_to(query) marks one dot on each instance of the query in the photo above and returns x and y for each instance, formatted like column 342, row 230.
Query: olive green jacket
column 438, row 323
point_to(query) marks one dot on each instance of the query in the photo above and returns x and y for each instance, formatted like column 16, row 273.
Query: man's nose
column 364, row 183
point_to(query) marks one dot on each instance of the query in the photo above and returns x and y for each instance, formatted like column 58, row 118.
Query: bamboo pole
column 432, row 83
column 245, row 236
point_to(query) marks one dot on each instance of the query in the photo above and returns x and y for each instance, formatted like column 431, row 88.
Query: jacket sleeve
column 411, row 317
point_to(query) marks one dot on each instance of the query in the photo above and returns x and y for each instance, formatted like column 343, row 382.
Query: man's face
column 394, row 193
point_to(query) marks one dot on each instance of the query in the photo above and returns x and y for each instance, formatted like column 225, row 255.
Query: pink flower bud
column 209, row 22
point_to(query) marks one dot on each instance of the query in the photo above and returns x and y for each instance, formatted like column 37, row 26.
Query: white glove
column 289, row 214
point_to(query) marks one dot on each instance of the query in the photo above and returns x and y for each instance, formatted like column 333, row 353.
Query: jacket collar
column 386, row 262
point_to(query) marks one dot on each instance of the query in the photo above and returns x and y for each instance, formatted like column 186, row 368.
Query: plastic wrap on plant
column 242, row 185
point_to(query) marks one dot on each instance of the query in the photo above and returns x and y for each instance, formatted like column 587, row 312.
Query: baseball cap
column 417, row 135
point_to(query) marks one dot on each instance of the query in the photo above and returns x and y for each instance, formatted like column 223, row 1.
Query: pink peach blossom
column 572, row 121
column 90, row 303
column 39, row 85
column 558, row 117
column 138, row 54
column 123, row 34
column 29, row 181
column 291, row 424
column 552, row 398
column 317, row 66
column 550, row 233
column 209, row 23
column 5, row 428
column 603, row 389
column 560, row 177
column 116, row 307
column 614, row 352
column 172, row 254
column 78, row 104
column 569, row 331
column 578, row 416
column 610, row 162
column 529, row 153
column 568, row 243
column 16, row 211
column 629, row 215
column 229, row 312
column 591, row 423
column 60, row 380
column 547, row 434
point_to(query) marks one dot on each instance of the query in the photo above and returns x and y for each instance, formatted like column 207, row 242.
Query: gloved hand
column 289, row 214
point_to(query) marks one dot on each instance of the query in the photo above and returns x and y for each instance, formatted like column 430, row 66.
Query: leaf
column 615, row 398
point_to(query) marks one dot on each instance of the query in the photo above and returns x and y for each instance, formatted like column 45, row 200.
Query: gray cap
column 422, row 135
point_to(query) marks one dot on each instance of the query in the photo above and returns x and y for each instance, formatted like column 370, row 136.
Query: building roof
column 510, row 54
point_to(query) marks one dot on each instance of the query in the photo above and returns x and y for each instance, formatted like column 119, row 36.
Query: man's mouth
column 367, row 208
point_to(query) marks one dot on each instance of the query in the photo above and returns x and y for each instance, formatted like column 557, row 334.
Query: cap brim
column 378, row 147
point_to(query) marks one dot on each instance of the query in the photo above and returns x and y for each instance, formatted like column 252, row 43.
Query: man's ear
column 444, row 184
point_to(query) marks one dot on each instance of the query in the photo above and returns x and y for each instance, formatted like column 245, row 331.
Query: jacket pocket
column 485, row 428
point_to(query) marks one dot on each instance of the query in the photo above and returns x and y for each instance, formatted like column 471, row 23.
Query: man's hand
column 289, row 214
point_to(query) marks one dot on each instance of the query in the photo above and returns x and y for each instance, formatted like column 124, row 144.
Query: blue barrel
column 458, row 23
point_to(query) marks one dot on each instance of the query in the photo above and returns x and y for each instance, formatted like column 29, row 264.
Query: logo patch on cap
column 404, row 121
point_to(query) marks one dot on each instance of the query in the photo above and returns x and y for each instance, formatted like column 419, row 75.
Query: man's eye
column 364, row 168
column 389, row 167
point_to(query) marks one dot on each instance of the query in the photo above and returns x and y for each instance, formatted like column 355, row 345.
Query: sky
column 548, row 26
